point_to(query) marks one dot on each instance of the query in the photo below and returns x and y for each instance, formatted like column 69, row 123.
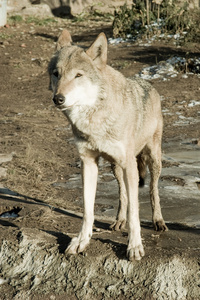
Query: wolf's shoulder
column 137, row 81
column 141, row 92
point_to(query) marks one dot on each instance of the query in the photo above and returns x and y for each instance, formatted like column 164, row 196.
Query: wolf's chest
column 107, row 147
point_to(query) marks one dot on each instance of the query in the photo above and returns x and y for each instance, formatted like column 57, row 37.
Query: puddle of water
column 192, row 156
column 193, row 220
column 9, row 215
column 179, row 188
column 74, row 182
column 13, row 213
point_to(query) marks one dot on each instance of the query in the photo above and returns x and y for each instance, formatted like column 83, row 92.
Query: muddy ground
column 37, row 139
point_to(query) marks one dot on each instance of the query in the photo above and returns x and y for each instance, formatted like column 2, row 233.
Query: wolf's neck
column 93, row 121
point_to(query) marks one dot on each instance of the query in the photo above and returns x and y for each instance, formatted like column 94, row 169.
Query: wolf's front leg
column 90, row 173
column 135, row 249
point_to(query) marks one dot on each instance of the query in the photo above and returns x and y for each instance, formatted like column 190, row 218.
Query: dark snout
column 58, row 99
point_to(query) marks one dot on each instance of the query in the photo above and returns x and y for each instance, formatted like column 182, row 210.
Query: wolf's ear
column 98, row 50
column 64, row 39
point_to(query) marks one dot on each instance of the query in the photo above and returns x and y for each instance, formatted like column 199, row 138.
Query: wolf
column 114, row 117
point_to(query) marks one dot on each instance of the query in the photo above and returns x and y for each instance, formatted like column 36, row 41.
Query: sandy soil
column 41, row 144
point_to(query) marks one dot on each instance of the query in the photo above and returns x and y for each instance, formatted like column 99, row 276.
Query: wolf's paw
column 77, row 245
column 118, row 225
column 135, row 253
column 160, row 225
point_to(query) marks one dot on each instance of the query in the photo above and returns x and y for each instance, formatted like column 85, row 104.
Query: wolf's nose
column 58, row 99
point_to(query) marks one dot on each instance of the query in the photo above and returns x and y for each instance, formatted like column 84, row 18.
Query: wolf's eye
column 78, row 75
column 55, row 73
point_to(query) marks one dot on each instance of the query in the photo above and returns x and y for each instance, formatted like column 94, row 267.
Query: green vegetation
column 171, row 17
column 13, row 20
column 4, row 36
column 92, row 14
column 39, row 21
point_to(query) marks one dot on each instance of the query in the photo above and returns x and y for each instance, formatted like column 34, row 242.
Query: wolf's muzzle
column 58, row 99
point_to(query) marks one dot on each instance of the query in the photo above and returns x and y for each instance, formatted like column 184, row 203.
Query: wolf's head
column 76, row 75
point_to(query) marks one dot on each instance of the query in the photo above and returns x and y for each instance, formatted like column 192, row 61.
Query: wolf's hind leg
column 142, row 168
column 120, row 222
column 90, row 173
column 155, row 165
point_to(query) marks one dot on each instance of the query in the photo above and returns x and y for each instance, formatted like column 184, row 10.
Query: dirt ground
column 41, row 143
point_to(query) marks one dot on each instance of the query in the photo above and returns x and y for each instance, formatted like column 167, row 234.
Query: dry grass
column 38, row 137
column 33, row 173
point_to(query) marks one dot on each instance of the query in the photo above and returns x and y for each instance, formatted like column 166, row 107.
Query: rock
column 31, row 263
column 77, row 7
column 24, row 7
column 68, row 7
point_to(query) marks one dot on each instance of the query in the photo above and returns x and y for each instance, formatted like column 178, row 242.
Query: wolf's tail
column 142, row 168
